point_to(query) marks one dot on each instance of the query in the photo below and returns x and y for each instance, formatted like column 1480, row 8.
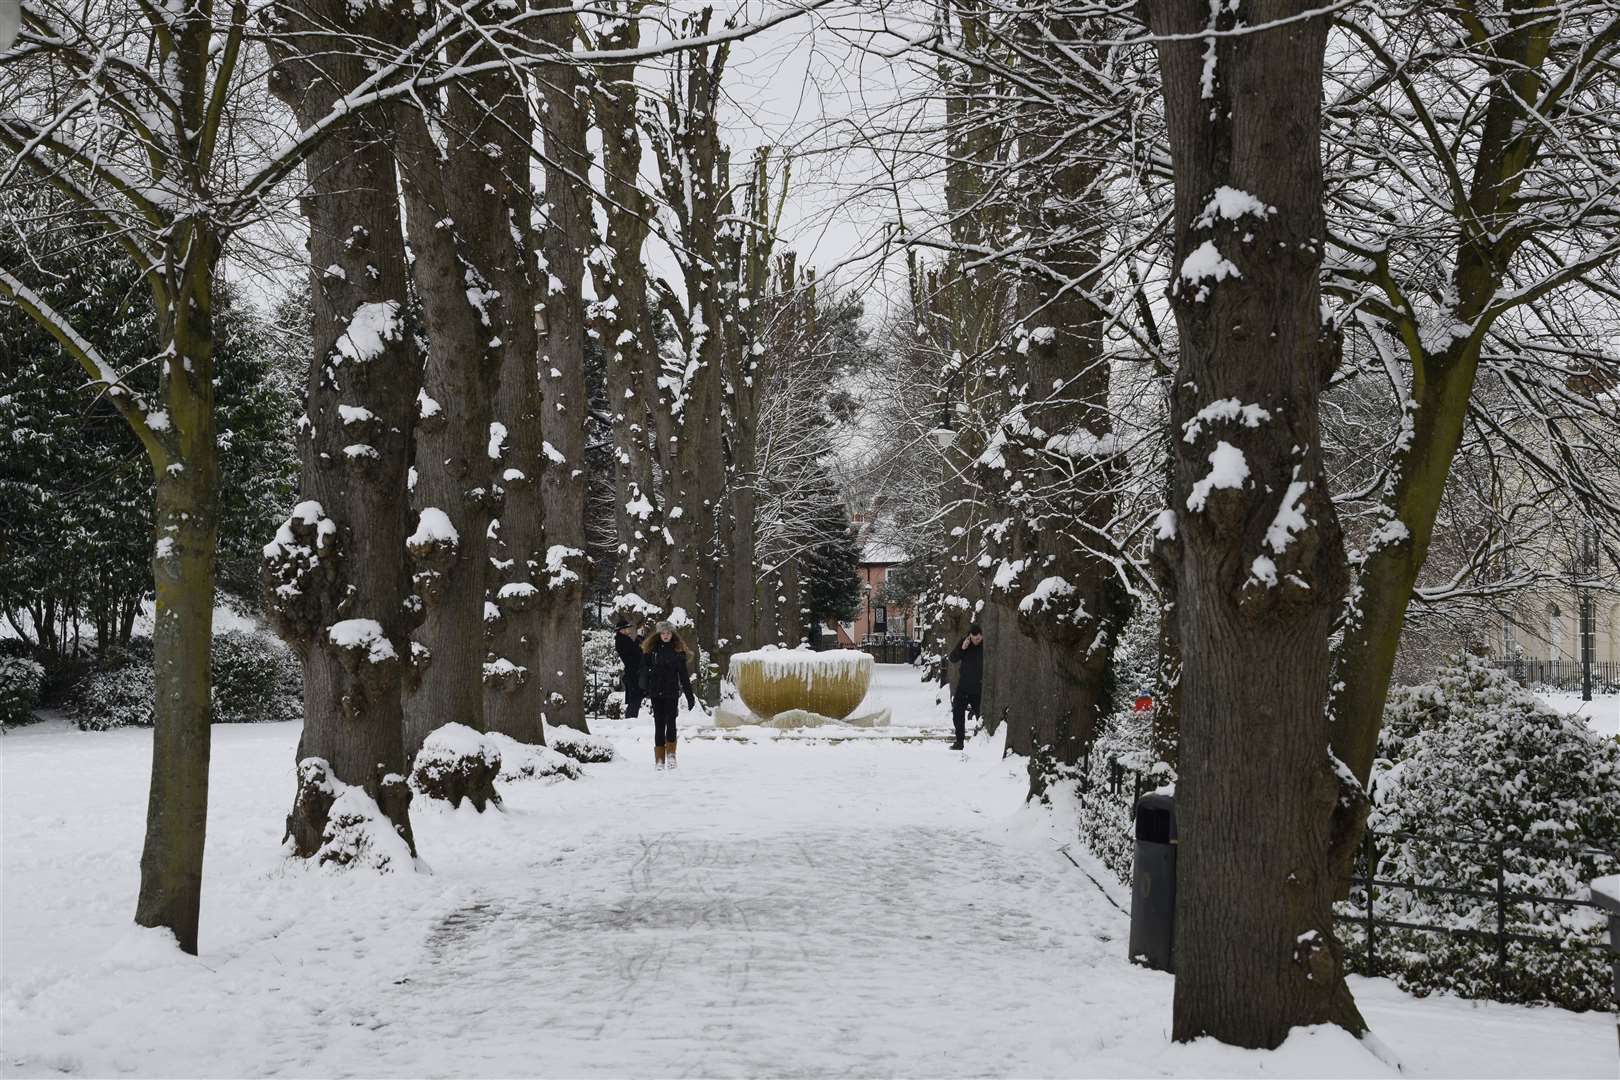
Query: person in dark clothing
column 969, row 657
column 628, row 643
column 664, row 678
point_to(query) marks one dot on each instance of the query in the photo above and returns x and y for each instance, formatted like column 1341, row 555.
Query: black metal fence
column 1561, row 674
column 883, row 651
column 1496, row 862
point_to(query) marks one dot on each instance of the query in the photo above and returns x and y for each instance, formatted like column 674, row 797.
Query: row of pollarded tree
column 431, row 570
column 1387, row 270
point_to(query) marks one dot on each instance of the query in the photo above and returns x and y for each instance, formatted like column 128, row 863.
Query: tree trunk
column 336, row 575
column 566, row 242
column 452, row 212
column 186, row 527
column 514, row 689
column 623, row 324
column 1256, row 554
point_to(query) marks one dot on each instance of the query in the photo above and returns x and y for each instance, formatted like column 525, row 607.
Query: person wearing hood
column 665, row 676
column 627, row 640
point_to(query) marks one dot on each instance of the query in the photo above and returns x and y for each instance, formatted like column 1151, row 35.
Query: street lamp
column 1588, row 573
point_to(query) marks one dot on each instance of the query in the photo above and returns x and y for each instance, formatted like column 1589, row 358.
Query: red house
column 876, row 621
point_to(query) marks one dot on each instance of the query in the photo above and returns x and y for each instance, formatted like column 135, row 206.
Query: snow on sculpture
column 828, row 685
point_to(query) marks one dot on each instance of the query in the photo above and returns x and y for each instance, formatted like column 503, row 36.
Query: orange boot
column 659, row 756
column 669, row 754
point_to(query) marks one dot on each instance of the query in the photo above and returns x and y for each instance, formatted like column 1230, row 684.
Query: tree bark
column 622, row 321
column 186, row 526
column 336, row 576
column 565, row 244
column 514, row 690
column 1257, row 553
column 450, row 215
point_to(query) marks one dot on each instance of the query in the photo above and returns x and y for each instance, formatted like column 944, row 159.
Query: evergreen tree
column 830, row 581
column 75, row 490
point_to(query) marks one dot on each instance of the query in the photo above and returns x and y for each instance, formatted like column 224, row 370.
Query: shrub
column 114, row 697
column 21, row 680
column 583, row 748
column 1474, row 756
column 603, row 672
column 256, row 679
column 1123, row 746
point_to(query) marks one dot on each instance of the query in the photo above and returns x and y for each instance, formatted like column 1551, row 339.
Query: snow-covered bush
column 256, row 679
column 525, row 761
column 603, row 674
column 583, row 748
column 115, row 696
column 1473, row 756
column 1123, row 746
column 20, row 682
column 455, row 763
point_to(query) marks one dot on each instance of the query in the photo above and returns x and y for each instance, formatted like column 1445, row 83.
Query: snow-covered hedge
column 583, row 748
column 20, row 682
column 603, row 675
column 115, row 696
column 256, row 679
column 1473, row 754
column 1124, row 743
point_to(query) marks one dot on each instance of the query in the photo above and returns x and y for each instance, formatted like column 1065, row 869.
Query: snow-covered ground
column 1602, row 713
column 774, row 906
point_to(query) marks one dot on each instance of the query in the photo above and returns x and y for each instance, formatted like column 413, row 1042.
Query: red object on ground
column 1143, row 703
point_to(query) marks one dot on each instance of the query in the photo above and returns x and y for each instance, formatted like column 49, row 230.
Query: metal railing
column 1496, row 865
column 1561, row 674
column 1501, row 863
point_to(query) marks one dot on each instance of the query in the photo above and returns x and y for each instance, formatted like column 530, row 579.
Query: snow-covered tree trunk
column 1251, row 535
column 565, row 245
column 694, row 170
column 514, row 689
column 455, row 216
column 749, row 253
column 336, row 573
column 1054, row 475
column 621, row 318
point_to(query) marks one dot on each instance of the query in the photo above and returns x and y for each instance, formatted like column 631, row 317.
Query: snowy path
column 770, row 908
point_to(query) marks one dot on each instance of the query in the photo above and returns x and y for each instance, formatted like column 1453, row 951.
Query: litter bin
column 1153, row 884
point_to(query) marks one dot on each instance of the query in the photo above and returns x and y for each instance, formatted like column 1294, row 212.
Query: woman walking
column 664, row 678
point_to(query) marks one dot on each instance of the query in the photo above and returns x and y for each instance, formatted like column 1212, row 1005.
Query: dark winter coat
column 971, row 659
column 663, row 672
column 629, row 647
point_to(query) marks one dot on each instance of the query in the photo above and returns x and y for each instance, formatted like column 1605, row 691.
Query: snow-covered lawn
column 775, row 906
column 1602, row 713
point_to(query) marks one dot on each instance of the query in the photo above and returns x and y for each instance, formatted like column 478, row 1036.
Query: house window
column 880, row 619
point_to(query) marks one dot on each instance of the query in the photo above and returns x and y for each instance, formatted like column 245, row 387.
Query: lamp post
column 1589, row 571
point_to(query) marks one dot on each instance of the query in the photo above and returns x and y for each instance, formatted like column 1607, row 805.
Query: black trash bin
column 1153, row 884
